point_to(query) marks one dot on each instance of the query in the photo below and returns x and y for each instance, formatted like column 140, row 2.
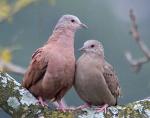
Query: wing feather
column 111, row 80
column 36, row 69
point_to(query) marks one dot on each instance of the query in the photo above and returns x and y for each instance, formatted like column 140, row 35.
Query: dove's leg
column 86, row 105
column 62, row 105
column 41, row 101
column 102, row 108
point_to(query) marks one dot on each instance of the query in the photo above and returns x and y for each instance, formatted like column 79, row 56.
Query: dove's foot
column 42, row 102
column 61, row 106
column 83, row 106
column 102, row 108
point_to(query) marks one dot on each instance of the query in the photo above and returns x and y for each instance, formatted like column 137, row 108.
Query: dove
column 95, row 79
column 50, row 73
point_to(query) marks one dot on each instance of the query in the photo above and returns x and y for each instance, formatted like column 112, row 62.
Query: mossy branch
column 19, row 103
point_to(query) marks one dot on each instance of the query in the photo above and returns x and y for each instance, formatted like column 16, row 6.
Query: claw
column 62, row 106
column 102, row 108
column 42, row 102
column 83, row 106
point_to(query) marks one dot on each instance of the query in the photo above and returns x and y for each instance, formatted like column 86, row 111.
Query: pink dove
column 51, row 71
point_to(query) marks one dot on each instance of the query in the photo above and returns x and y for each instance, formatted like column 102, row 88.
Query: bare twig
column 15, row 8
column 10, row 67
column 137, row 63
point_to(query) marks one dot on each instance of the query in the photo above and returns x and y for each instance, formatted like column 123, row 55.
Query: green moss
column 146, row 104
column 10, row 90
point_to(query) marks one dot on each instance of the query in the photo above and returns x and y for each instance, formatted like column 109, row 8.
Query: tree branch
column 19, row 103
column 13, row 9
column 10, row 67
column 137, row 63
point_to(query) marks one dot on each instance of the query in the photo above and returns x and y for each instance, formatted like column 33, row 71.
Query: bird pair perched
column 53, row 69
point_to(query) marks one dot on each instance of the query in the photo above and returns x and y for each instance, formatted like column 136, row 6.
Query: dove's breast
column 90, row 83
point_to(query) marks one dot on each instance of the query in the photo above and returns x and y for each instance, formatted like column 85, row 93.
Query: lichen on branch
column 20, row 103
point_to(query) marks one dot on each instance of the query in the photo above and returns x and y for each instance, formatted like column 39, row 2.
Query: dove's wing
column 36, row 70
column 111, row 80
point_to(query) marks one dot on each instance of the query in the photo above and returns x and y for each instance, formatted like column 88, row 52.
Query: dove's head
column 93, row 46
column 70, row 22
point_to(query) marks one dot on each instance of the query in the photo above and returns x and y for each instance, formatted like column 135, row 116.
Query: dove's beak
column 84, row 26
column 81, row 49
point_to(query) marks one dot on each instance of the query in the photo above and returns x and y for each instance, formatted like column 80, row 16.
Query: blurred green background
column 108, row 22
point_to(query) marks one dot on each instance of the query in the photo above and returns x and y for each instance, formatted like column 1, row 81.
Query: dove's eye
column 72, row 20
column 92, row 46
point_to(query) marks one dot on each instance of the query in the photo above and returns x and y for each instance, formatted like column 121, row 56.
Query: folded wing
column 36, row 70
column 111, row 80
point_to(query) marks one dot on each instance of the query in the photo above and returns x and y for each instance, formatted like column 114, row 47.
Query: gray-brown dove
column 51, row 71
column 95, row 79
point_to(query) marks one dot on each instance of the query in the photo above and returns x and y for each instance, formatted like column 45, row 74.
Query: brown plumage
column 95, row 79
column 51, row 71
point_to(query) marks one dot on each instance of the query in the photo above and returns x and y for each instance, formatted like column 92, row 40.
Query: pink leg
column 102, row 108
column 83, row 106
column 40, row 101
column 62, row 105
